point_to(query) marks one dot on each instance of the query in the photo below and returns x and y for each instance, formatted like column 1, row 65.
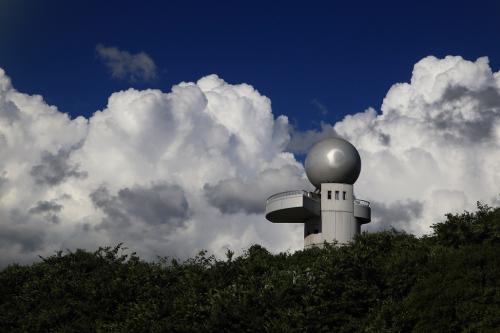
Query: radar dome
column 333, row 160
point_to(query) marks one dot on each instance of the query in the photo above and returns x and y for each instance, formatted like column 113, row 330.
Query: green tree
column 387, row 281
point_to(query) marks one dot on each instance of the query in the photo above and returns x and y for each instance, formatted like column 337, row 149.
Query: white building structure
column 330, row 213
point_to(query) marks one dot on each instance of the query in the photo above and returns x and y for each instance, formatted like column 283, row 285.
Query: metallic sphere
column 333, row 160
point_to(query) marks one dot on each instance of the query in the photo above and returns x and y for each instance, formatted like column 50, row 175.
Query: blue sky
column 304, row 55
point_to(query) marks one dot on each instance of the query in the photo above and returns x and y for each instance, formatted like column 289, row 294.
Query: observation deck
column 292, row 207
column 300, row 206
column 362, row 211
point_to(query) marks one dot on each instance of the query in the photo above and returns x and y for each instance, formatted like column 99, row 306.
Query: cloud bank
column 124, row 65
column 166, row 173
column 433, row 148
column 170, row 173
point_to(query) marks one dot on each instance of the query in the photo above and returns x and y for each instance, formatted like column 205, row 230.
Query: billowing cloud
column 170, row 173
column 433, row 148
column 152, row 170
column 125, row 65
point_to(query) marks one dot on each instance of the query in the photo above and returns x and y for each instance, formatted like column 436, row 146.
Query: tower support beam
column 337, row 213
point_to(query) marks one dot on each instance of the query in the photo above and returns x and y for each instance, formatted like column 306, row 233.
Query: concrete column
column 337, row 213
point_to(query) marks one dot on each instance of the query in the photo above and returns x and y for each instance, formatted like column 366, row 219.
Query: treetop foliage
column 383, row 282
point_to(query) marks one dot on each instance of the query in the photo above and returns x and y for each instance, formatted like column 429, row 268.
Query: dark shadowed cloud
column 301, row 141
column 47, row 210
column 125, row 65
column 3, row 179
column 55, row 168
column 156, row 205
column 458, row 125
column 46, row 206
column 394, row 215
column 22, row 232
column 237, row 195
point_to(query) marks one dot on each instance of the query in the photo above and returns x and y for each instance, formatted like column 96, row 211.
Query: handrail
column 311, row 195
column 362, row 202
column 289, row 193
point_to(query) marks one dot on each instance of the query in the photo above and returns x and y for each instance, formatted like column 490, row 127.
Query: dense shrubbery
column 384, row 282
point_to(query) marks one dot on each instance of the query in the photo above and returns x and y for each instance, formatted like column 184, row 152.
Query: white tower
column 331, row 213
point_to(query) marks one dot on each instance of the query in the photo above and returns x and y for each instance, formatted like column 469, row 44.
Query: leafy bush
column 384, row 282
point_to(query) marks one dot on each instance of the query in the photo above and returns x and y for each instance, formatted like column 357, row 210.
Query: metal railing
column 290, row 193
column 362, row 202
column 311, row 195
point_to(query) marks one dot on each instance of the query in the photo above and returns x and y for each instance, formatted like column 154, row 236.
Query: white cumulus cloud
column 170, row 173
column 149, row 170
column 433, row 148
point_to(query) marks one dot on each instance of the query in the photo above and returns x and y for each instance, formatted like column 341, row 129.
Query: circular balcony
column 292, row 207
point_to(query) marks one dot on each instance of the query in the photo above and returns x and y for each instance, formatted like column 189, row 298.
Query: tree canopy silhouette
column 448, row 281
